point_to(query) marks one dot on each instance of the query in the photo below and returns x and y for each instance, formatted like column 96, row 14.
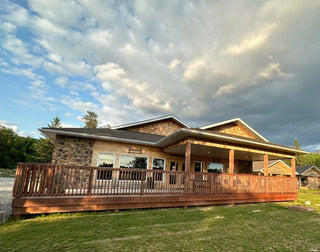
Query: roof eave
column 190, row 132
column 49, row 133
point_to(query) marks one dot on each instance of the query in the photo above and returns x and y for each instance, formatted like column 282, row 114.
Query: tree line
column 15, row 148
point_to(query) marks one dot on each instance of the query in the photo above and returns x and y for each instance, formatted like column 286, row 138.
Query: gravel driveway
column 6, row 185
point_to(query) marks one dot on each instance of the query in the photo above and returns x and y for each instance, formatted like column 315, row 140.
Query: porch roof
column 228, row 138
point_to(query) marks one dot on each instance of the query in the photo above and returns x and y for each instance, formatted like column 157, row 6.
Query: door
column 173, row 177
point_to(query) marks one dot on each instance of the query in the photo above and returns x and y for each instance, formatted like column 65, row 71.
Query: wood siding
column 163, row 127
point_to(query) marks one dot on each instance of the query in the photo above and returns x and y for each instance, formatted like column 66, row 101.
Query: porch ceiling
column 214, row 152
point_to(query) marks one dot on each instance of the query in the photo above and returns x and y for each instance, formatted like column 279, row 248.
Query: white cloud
column 109, row 71
column 252, row 41
column 10, row 125
column 272, row 71
column 174, row 64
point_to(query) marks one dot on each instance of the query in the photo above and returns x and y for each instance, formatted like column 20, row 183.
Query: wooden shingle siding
column 164, row 127
column 234, row 129
column 279, row 168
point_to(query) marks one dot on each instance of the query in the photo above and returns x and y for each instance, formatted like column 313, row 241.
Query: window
column 198, row 166
column 158, row 164
column 133, row 162
column 105, row 160
column 215, row 167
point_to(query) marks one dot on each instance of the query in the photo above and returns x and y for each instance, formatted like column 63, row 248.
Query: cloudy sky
column 203, row 61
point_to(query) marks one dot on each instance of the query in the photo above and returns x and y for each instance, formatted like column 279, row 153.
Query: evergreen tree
column 90, row 119
column 296, row 144
column 55, row 123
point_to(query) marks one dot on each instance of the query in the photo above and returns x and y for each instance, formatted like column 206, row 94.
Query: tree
column 7, row 138
column 43, row 149
column 55, row 123
column 296, row 144
column 90, row 120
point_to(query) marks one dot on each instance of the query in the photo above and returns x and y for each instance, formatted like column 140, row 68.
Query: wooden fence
column 41, row 181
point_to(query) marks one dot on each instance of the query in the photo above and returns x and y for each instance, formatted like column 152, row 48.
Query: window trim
column 164, row 168
column 114, row 160
column 202, row 166
column 121, row 155
column 222, row 171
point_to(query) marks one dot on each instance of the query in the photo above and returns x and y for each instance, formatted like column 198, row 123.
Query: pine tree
column 90, row 120
column 55, row 123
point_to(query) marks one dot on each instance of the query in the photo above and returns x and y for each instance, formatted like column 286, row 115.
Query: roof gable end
column 236, row 127
column 160, row 126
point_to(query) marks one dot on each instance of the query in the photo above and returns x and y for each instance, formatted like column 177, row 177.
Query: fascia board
column 84, row 135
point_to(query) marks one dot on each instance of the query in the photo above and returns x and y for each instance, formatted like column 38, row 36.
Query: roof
column 303, row 169
column 233, row 121
column 104, row 134
column 259, row 165
column 135, row 137
column 151, row 121
column 209, row 135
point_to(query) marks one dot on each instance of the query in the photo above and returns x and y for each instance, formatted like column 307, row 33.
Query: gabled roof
column 303, row 169
column 175, row 119
column 271, row 163
column 235, row 120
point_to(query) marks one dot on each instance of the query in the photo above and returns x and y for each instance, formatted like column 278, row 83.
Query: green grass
column 249, row 227
column 7, row 172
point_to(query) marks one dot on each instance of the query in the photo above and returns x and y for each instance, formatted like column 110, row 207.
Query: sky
column 202, row 61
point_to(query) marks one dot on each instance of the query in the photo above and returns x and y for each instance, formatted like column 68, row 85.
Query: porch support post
column 293, row 167
column 231, row 161
column 265, row 164
column 187, row 161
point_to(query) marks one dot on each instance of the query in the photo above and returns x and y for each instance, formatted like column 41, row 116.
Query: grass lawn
column 249, row 227
column 9, row 173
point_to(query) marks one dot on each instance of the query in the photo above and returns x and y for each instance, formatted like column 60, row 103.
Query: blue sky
column 203, row 61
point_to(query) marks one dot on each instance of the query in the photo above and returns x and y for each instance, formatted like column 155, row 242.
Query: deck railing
column 43, row 180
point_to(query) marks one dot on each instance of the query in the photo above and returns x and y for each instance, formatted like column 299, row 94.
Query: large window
column 133, row 163
column 105, row 160
column 158, row 164
column 215, row 167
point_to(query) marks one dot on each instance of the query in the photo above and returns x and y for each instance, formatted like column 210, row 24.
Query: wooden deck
column 42, row 188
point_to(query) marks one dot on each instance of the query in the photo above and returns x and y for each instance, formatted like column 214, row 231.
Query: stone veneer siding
column 164, row 127
column 72, row 151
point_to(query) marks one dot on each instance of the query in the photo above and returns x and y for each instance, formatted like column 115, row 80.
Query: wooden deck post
column 187, row 166
column 266, row 165
column 293, row 167
column 231, row 161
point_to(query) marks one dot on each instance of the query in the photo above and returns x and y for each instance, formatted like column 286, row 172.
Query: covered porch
column 227, row 158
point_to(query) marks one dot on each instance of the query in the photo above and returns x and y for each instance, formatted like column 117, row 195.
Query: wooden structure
column 160, row 162
column 308, row 176
column 42, row 188
column 275, row 168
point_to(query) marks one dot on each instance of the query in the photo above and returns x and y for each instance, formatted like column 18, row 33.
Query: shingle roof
column 106, row 132
column 302, row 169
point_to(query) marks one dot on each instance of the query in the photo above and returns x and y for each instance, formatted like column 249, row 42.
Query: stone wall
column 72, row 151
